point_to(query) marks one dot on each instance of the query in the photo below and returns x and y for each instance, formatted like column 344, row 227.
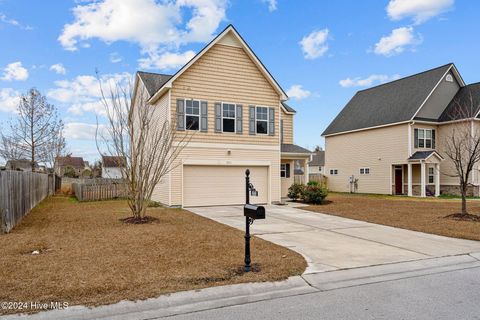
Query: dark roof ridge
column 155, row 73
column 406, row 77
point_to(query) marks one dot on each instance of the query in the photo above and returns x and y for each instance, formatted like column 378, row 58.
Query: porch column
column 306, row 171
column 437, row 180
column 422, row 179
column 410, row 188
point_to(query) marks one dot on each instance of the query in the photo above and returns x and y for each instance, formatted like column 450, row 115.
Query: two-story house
column 236, row 114
column 390, row 139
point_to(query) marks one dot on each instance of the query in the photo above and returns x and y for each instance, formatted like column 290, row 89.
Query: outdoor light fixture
column 251, row 213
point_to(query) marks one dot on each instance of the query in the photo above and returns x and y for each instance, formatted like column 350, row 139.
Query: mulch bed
column 463, row 217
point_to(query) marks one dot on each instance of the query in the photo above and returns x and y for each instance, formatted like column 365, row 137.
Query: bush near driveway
column 424, row 215
column 313, row 192
column 87, row 256
column 295, row 191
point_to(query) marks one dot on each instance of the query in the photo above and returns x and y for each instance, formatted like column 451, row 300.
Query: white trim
column 285, row 110
column 267, row 121
column 249, row 52
column 229, row 146
column 234, row 118
column 410, row 149
column 422, row 179
column 369, row 128
column 169, row 113
column 410, row 179
column 225, row 162
column 192, row 115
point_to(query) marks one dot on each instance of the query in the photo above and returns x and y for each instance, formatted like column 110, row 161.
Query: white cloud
column 9, row 99
column 58, row 68
column 272, row 4
column 419, row 10
column 82, row 131
column 15, row 71
column 166, row 61
column 369, row 81
column 115, row 57
column 157, row 27
column 13, row 22
column 297, row 92
column 397, row 41
column 315, row 44
column 83, row 94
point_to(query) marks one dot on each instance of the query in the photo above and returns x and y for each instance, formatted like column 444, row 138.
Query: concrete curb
column 359, row 276
column 182, row 302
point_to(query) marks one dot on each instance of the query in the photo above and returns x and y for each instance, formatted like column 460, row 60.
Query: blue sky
column 321, row 52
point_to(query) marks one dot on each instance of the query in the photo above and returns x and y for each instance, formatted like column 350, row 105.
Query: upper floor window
column 425, row 138
column 333, row 171
column 192, row 115
column 228, row 117
column 262, row 120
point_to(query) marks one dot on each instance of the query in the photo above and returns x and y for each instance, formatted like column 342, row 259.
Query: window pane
column 367, row 170
column 428, row 143
column 421, row 143
column 192, row 122
column 421, row 133
column 262, row 113
column 228, row 125
column 428, row 134
column 188, row 103
column 362, row 171
column 262, row 127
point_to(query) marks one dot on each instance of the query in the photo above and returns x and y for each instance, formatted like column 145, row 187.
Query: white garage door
column 222, row 185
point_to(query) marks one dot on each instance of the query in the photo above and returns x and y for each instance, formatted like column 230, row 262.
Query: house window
column 449, row 78
column 364, row 170
column 425, row 138
column 285, row 170
column 262, row 120
column 431, row 175
column 228, row 117
column 333, row 171
column 192, row 115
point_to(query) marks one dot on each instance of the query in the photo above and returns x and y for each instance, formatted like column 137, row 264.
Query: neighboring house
column 237, row 110
column 317, row 163
column 20, row 165
column 76, row 163
column 112, row 167
column 391, row 137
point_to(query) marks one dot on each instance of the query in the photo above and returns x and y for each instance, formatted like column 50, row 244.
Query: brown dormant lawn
column 425, row 215
column 89, row 257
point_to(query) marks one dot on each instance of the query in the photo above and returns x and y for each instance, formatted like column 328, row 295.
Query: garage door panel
column 222, row 185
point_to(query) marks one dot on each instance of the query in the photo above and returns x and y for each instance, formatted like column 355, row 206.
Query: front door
column 398, row 180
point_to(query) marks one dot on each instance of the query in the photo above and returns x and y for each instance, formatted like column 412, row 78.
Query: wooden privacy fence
column 320, row 178
column 102, row 191
column 20, row 192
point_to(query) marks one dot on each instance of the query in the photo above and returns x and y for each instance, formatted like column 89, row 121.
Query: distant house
column 112, row 167
column 318, row 162
column 76, row 163
column 20, row 165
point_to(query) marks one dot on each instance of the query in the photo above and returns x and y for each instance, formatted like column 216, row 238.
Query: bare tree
column 56, row 147
column 147, row 142
column 10, row 148
column 36, row 127
column 462, row 144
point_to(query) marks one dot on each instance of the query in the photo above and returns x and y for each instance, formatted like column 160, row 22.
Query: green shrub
column 313, row 183
column 296, row 191
column 315, row 193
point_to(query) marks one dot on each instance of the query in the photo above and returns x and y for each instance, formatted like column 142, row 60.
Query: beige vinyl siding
column 219, row 156
column 222, row 185
column 287, row 182
column 287, row 128
column 377, row 149
column 162, row 189
column 227, row 74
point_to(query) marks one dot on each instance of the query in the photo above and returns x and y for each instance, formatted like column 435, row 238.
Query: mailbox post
column 251, row 212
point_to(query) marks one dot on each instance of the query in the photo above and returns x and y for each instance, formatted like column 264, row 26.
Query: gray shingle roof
column 422, row 155
column 461, row 106
column 318, row 159
column 293, row 148
column 153, row 81
column 287, row 107
column 387, row 103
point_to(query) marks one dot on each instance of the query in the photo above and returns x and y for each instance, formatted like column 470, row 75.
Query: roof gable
column 231, row 36
column 465, row 104
column 153, row 81
column 393, row 102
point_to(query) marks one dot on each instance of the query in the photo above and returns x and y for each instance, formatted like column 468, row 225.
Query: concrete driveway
column 331, row 243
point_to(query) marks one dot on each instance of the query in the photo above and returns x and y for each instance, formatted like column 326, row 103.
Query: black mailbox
column 253, row 211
